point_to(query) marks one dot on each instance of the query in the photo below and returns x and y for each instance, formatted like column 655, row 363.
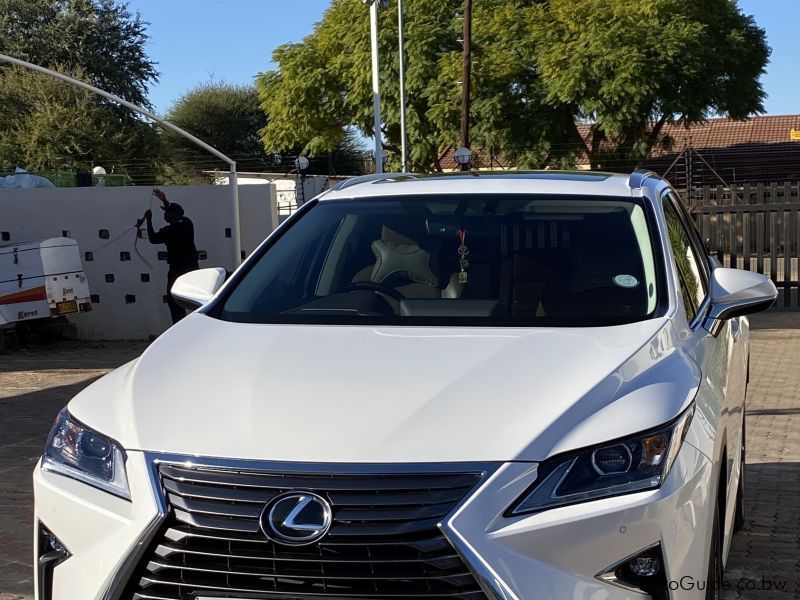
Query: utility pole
column 403, row 133
column 465, row 80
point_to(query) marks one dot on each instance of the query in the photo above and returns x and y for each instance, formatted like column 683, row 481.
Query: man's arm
column 161, row 196
column 155, row 237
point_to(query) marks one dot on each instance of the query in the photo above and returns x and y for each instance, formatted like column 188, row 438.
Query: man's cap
column 173, row 208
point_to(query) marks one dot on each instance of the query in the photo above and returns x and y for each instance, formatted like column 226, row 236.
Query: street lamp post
column 403, row 133
column 374, row 5
column 301, row 165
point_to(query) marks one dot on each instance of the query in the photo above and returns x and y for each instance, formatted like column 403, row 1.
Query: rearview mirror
column 735, row 293
column 197, row 288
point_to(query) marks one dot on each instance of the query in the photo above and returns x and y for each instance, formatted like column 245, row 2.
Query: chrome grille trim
column 387, row 539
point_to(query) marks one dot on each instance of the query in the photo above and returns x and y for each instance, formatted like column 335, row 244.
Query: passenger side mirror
column 735, row 292
column 197, row 288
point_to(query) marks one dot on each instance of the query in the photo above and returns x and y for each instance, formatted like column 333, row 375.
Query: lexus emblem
column 296, row 518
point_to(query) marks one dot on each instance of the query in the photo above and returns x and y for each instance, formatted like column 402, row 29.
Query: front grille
column 384, row 541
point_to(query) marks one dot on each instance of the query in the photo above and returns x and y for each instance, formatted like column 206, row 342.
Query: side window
column 690, row 270
column 694, row 234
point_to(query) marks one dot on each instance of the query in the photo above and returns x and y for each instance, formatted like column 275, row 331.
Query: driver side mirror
column 735, row 292
column 196, row 288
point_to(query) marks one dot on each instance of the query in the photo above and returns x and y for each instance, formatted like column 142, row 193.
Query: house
column 723, row 151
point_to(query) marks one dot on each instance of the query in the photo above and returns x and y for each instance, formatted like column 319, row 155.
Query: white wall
column 28, row 214
column 312, row 185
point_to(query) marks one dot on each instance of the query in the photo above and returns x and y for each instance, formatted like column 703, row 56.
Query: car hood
column 389, row 394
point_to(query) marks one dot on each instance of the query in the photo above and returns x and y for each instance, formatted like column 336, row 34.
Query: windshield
column 485, row 260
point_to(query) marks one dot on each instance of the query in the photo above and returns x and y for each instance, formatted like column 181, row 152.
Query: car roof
column 590, row 183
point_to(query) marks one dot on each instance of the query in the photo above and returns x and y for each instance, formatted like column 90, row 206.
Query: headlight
column 633, row 464
column 78, row 452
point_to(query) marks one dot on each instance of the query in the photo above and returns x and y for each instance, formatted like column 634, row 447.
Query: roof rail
column 373, row 177
column 637, row 178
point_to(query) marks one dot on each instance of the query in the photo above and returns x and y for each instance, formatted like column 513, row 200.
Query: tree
column 350, row 157
column 228, row 117
column 628, row 67
column 49, row 125
column 323, row 85
column 100, row 38
column 539, row 68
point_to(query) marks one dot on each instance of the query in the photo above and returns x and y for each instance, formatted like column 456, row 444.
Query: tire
column 739, row 517
column 715, row 571
column 23, row 333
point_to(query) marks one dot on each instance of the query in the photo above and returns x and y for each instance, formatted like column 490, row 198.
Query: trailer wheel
column 22, row 332
column 41, row 331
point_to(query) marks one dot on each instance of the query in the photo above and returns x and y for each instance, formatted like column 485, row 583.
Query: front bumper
column 101, row 532
column 558, row 553
column 551, row 555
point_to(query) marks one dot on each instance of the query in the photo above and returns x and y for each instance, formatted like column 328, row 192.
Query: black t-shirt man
column 178, row 235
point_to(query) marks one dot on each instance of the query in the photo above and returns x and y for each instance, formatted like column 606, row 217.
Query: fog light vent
column 643, row 572
column 53, row 544
column 645, row 566
column 51, row 553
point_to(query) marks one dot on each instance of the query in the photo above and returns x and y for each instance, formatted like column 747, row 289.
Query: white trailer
column 42, row 279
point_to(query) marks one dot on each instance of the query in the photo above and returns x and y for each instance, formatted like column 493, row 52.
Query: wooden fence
column 760, row 193
column 756, row 228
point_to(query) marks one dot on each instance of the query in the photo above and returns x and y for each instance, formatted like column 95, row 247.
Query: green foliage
column 350, row 157
column 228, row 117
column 539, row 66
column 46, row 124
column 629, row 66
column 100, row 38
column 323, row 84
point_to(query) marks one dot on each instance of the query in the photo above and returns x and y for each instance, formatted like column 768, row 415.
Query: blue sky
column 780, row 19
column 229, row 40
column 232, row 40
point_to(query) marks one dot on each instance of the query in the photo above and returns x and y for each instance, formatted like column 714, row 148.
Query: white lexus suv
column 483, row 386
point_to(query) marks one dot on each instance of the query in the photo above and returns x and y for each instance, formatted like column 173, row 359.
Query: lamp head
column 301, row 163
column 463, row 156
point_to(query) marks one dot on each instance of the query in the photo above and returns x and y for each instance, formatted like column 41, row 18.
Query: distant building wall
column 130, row 295
column 292, row 190
column 285, row 186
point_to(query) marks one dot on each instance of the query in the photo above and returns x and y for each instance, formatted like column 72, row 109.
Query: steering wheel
column 374, row 286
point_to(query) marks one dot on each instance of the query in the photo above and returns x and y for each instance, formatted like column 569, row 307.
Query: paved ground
column 35, row 384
